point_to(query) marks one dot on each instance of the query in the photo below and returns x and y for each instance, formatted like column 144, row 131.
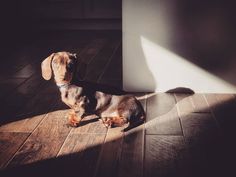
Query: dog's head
column 61, row 64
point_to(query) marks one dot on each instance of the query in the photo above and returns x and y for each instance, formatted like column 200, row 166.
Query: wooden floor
column 184, row 135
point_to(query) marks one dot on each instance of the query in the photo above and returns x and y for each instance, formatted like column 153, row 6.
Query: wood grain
column 223, row 107
column 159, row 104
column 199, row 103
column 199, row 128
column 83, row 150
column 27, row 117
column 45, row 141
column 7, row 86
column 110, row 154
column 16, row 60
column 91, row 50
column 98, row 64
column 32, row 86
column 205, row 144
column 24, row 93
column 164, row 155
column 10, row 142
column 167, row 124
column 25, row 72
column 184, row 104
column 162, row 116
column 112, row 74
column 131, row 161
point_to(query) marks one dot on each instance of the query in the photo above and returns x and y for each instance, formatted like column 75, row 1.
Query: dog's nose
column 62, row 78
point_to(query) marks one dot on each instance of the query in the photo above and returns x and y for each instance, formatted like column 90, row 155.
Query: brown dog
column 114, row 110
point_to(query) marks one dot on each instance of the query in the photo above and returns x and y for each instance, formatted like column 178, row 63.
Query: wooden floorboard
column 28, row 114
column 45, row 141
column 187, row 135
column 97, row 65
column 184, row 104
column 112, row 74
column 110, row 153
column 163, row 155
column 25, row 72
column 10, row 142
column 23, row 93
column 159, row 104
column 206, row 141
column 199, row 103
column 91, row 50
column 223, row 107
column 15, row 61
column 162, row 116
column 131, row 160
column 7, row 86
column 199, row 127
column 83, row 151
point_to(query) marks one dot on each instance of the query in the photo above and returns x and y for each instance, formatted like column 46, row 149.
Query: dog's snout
column 62, row 77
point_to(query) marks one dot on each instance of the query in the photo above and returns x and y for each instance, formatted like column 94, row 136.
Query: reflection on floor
column 184, row 134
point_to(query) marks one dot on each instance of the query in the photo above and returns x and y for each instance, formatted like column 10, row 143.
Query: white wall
column 150, row 35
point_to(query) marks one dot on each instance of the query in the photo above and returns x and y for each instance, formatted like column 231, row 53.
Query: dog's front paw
column 74, row 120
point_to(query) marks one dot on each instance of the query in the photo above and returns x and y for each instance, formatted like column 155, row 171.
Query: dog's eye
column 70, row 66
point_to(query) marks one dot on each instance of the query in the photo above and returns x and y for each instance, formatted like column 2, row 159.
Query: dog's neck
column 63, row 86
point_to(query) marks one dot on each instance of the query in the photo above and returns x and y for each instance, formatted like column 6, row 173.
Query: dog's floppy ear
column 46, row 67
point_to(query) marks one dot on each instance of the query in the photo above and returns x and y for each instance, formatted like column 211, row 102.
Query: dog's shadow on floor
column 88, row 120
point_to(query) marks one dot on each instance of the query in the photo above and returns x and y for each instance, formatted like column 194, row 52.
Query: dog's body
column 114, row 110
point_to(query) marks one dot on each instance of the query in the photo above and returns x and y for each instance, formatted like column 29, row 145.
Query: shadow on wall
column 199, row 32
column 204, row 31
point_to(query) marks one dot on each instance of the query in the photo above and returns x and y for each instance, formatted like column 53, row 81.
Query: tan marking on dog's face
column 63, row 65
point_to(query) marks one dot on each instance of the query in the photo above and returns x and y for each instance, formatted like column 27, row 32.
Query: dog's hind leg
column 113, row 121
column 133, row 124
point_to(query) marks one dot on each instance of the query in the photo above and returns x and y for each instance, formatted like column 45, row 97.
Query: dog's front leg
column 73, row 119
column 76, row 115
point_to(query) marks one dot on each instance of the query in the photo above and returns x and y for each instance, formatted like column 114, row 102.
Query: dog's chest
column 72, row 96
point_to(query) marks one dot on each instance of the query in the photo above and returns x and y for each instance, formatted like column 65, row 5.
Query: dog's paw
column 73, row 120
column 107, row 122
column 73, row 124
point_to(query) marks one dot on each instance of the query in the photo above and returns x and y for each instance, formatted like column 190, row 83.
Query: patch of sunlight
column 171, row 71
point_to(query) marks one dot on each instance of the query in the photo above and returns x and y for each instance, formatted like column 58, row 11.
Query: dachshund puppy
column 114, row 110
